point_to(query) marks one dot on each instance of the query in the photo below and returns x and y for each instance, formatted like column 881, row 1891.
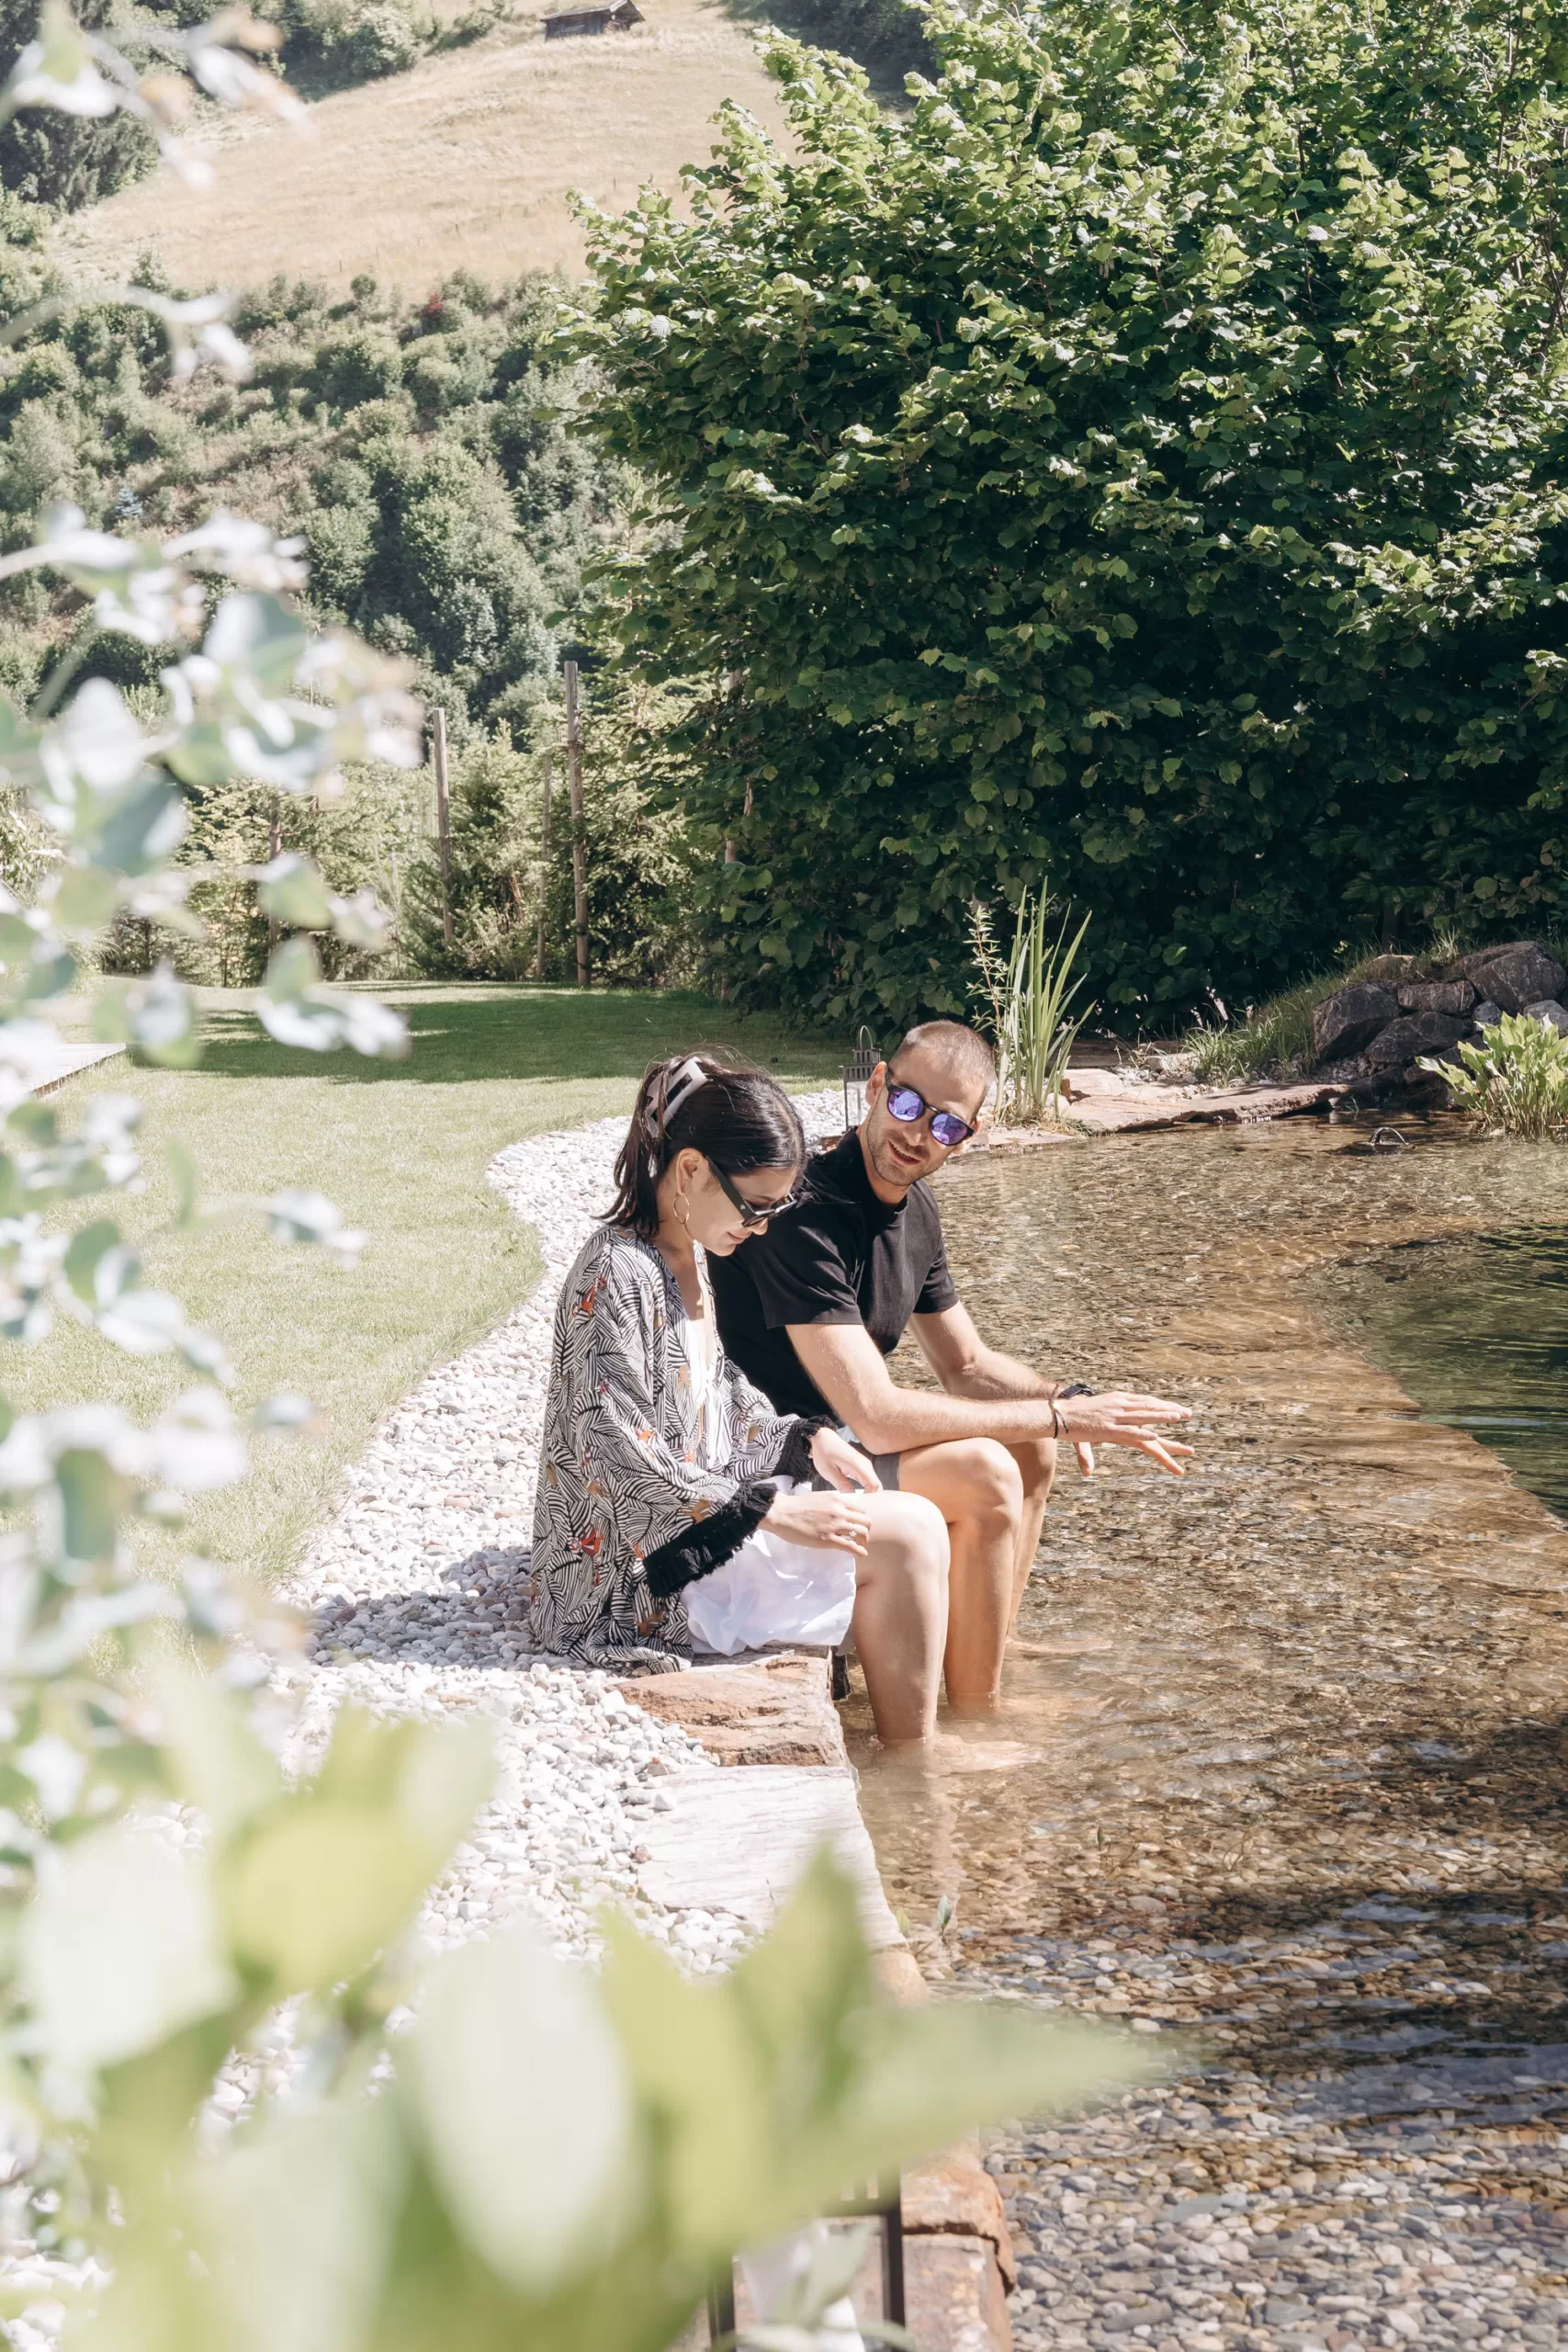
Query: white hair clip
column 680, row 1089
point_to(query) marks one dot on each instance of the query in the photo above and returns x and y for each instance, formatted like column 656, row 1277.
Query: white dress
column 771, row 1589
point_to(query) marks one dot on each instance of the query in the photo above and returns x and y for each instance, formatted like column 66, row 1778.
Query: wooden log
column 578, row 846
column 442, row 822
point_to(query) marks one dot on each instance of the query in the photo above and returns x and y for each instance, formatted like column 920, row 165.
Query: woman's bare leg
column 900, row 1619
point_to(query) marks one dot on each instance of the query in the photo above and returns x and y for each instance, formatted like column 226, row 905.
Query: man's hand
column 1122, row 1418
column 842, row 1464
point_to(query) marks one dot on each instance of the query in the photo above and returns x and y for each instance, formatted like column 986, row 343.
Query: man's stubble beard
column 886, row 1167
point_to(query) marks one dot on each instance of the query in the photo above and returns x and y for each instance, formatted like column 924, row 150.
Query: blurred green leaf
column 299, row 2226
column 320, row 1887
column 187, row 1180
column 315, row 1894
column 121, row 1948
column 218, row 1763
column 701, row 2077
column 524, row 2106
column 88, row 1250
column 86, row 899
column 292, row 891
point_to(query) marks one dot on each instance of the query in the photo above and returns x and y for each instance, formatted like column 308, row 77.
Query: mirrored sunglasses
column 905, row 1105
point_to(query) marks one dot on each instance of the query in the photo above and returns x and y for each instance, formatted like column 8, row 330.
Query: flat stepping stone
column 740, row 1841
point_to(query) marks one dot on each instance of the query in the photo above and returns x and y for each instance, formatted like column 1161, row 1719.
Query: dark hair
column 738, row 1118
column 966, row 1053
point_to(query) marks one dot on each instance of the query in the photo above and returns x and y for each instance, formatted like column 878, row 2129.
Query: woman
column 675, row 1507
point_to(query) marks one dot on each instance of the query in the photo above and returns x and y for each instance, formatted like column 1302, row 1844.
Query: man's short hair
column 964, row 1050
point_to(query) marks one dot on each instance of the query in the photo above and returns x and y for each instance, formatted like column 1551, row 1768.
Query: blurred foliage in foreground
column 533, row 2156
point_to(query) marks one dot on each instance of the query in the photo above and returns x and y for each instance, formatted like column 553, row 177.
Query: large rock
column 1350, row 1018
column 1388, row 969
column 1414, row 1034
column 1515, row 976
column 772, row 1710
column 1550, row 1010
column 1435, row 995
column 1487, row 1015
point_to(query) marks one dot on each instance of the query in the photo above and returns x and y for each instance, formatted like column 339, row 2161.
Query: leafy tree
column 65, row 160
column 636, row 855
column 1139, row 467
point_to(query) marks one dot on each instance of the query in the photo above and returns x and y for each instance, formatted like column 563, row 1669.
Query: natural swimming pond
column 1477, row 1330
column 1281, row 1755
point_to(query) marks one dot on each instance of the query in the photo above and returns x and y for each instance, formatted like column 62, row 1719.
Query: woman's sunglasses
column 905, row 1105
column 752, row 1213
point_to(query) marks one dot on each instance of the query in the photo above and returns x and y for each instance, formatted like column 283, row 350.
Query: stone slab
column 954, row 2296
column 956, row 2196
column 1173, row 1106
column 50, row 1070
column 740, row 1841
column 775, row 1709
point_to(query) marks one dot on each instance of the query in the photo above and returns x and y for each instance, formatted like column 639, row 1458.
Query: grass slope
column 463, row 162
column 402, row 1147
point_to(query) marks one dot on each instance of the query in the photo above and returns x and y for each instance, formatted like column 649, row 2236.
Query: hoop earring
column 684, row 1210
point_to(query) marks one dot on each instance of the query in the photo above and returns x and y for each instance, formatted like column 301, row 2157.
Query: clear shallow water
column 1478, row 1332
column 1284, row 1745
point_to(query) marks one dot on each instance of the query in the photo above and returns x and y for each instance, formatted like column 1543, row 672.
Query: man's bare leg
column 900, row 1619
column 977, row 1487
column 1037, row 1468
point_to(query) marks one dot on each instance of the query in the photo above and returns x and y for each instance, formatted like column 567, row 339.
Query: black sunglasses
column 752, row 1213
column 905, row 1105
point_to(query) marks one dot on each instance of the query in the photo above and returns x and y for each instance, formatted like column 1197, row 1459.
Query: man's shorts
column 884, row 1465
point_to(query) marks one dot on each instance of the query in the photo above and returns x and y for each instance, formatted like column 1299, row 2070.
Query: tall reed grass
column 1029, row 991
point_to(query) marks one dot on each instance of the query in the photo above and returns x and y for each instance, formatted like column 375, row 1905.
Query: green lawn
column 401, row 1148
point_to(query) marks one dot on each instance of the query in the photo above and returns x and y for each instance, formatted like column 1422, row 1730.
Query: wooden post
column 442, row 822
column 274, row 848
column 545, row 863
column 574, row 784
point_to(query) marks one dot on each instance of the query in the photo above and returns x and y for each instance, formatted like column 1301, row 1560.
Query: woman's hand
column 842, row 1464
column 826, row 1522
column 1123, row 1418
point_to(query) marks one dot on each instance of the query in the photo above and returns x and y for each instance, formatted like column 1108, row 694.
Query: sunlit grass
column 402, row 1149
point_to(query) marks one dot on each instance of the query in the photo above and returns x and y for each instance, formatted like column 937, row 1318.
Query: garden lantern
column 857, row 1069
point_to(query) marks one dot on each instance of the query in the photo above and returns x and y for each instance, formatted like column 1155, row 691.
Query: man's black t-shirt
column 838, row 1256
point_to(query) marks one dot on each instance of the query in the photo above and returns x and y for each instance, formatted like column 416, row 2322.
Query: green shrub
column 383, row 39
column 1514, row 1082
column 364, row 364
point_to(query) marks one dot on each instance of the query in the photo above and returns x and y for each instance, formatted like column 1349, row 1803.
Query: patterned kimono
column 648, row 1478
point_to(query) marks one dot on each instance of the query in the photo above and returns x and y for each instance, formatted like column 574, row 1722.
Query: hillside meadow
column 466, row 161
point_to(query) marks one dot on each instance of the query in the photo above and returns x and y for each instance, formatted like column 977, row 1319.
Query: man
column 811, row 1309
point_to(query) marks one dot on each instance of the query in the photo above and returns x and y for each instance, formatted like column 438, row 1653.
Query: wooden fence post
column 443, row 823
column 544, row 862
column 274, row 848
column 574, row 782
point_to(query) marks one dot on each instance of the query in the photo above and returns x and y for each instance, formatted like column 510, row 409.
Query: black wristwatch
column 1072, row 1389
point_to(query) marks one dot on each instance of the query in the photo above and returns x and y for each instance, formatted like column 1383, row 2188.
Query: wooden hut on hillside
column 618, row 17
